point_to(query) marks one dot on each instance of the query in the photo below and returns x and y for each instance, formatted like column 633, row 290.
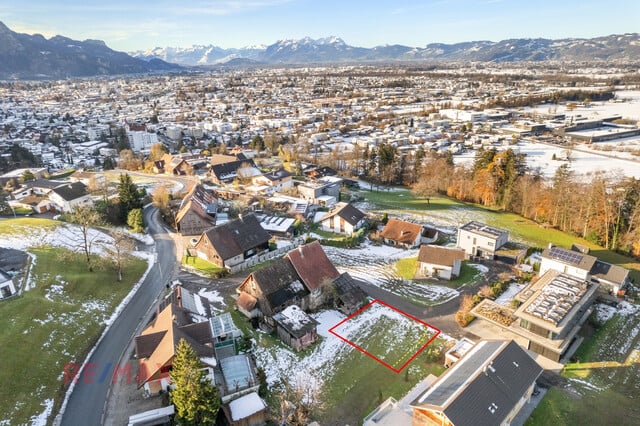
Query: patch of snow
column 481, row 268
column 212, row 296
column 209, row 360
column 327, row 319
column 626, row 308
column 41, row 419
column 604, row 312
column 246, row 406
column 587, row 384
column 506, row 297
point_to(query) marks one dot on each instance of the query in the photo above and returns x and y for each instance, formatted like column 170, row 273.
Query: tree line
column 602, row 207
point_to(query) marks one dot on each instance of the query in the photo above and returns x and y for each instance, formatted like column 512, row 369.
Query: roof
column 201, row 202
column 237, row 236
column 612, row 273
column 295, row 321
column 348, row 290
column 484, row 386
column 236, row 371
column 438, row 255
column 346, row 211
column 278, row 282
column 570, row 257
column 227, row 170
column 246, row 406
column 246, row 301
column 401, row 231
column 222, row 325
column 277, row 175
column 312, row 265
column 155, row 346
column 71, row 191
column 484, row 230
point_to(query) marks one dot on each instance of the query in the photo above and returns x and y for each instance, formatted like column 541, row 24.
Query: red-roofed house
column 439, row 262
column 407, row 234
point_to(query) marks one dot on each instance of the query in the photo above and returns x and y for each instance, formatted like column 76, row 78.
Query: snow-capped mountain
column 333, row 49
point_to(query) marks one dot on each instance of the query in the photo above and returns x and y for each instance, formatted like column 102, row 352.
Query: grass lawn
column 468, row 276
column 403, row 199
column 604, row 381
column 18, row 226
column 206, row 268
column 52, row 324
column 406, row 268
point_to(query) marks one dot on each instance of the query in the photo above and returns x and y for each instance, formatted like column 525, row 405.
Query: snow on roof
column 246, row 406
column 294, row 317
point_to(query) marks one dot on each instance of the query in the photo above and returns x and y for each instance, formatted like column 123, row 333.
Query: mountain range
column 624, row 47
column 24, row 56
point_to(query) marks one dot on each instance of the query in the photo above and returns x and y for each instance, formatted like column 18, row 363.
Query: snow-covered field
column 375, row 265
column 69, row 237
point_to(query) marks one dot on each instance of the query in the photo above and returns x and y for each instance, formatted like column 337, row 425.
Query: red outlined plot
column 395, row 358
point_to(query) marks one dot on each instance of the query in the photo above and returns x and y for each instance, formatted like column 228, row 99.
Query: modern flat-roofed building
column 478, row 239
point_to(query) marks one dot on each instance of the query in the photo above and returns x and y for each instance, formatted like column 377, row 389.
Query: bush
column 463, row 319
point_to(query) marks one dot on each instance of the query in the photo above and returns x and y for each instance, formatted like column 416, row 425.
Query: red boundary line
column 359, row 311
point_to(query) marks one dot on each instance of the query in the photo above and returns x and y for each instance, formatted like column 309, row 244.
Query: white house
column 478, row 239
column 439, row 262
column 343, row 219
column 69, row 196
column 7, row 287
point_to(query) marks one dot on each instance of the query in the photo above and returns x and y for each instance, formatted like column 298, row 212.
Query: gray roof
column 237, row 236
column 71, row 191
column 612, row 273
column 346, row 211
column 484, row 386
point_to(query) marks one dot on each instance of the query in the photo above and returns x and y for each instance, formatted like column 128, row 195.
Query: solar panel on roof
column 566, row 255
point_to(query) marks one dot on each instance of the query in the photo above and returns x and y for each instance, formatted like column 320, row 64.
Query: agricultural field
column 62, row 313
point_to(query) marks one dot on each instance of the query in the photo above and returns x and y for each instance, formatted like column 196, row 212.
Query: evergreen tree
column 128, row 196
column 194, row 397
column 135, row 220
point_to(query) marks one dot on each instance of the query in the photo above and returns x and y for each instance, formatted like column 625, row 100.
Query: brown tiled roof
column 237, row 236
column 197, row 201
column 246, row 301
column 312, row 265
column 401, row 231
column 438, row 255
column 155, row 347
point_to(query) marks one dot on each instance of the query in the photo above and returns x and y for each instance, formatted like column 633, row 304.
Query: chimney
column 300, row 251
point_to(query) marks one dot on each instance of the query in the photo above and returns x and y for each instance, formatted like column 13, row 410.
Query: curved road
column 87, row 401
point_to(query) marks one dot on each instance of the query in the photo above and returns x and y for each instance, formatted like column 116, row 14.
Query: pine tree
column 194, row 397
column 128, row 196
column 135, row 220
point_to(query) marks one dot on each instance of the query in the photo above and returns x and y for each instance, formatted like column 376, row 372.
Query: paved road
column 87, row 402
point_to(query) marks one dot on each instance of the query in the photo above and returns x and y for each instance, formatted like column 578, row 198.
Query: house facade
column 231, row 243
column 66, row 198
column 439, row 262
column 480, row 240
column 7, row 287
column 343, row 219
column 198, row 211
column 401, row 233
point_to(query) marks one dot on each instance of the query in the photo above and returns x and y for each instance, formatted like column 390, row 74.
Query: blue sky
column 144, row 24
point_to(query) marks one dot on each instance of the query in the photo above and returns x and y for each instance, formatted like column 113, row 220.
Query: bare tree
column 86, row 217
column 117, row 253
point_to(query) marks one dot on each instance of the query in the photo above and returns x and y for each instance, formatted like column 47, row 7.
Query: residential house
column 198, row 211
column 91, row 180
column 321, row 193
column 304, row 277
column 478, row 239
column 344, row 218
column 7, row 287
column 295, row 327
column 67, row 197
column 552, row 311
column 487, row 387
column 275, row 181
column 270, row 289
column 612, row 279
column 248, row 410
column 226, row 168
column 439, row 262
column 155, row 347
column 172, row 165
column 233, row 242
column 405, row 234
